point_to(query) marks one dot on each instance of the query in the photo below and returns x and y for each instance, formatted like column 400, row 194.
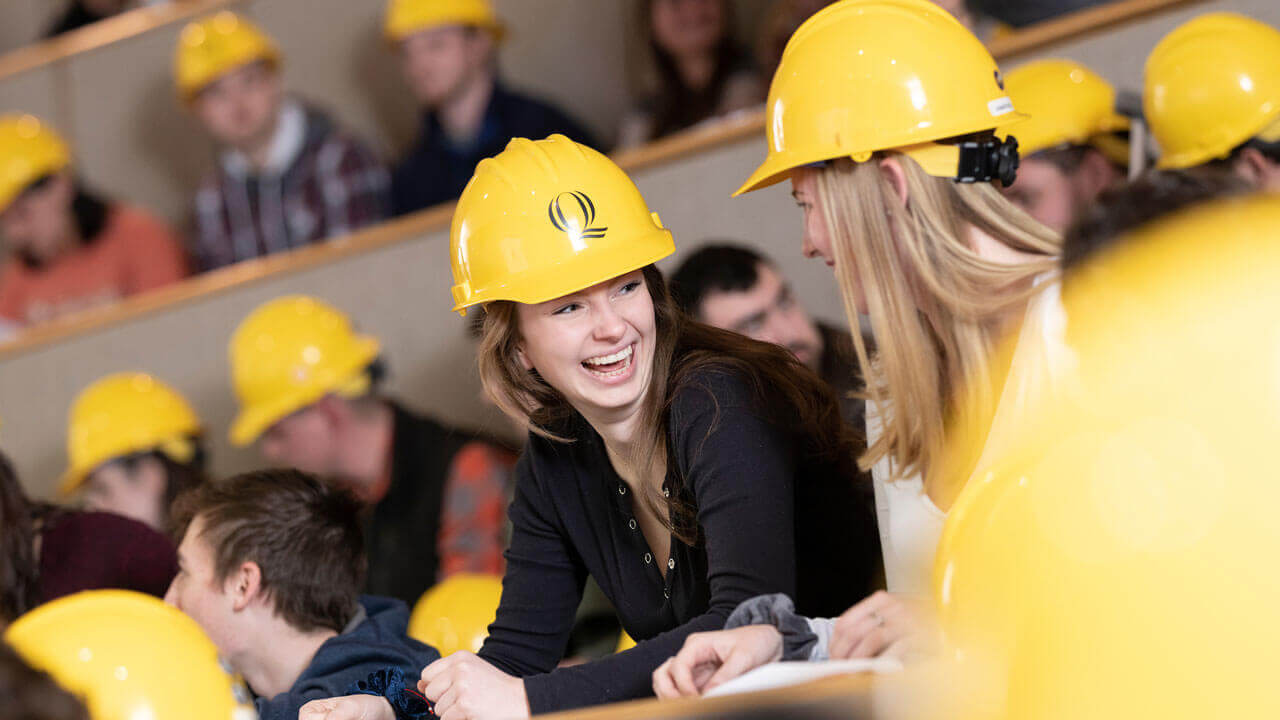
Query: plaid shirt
column 320, row 183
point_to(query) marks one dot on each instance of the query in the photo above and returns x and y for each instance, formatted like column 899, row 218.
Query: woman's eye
column 629, row 287
column 566, row 309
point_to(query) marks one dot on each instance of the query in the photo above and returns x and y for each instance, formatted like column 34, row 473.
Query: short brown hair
column 31, row 694
column 303, row 534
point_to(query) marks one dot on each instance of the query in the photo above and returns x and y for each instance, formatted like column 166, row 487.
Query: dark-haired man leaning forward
column 271, row 564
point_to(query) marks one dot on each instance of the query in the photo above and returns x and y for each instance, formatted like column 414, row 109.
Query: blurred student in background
column 133, row 445
column 1072, row 146
column 1212, row 97
column 69, row 248
column 286, row 175
column 694, row 69
column 47, row 552
column 448, row 54
column 308, row 389
column 735, row 288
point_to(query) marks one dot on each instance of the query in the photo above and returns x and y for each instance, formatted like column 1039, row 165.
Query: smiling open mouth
column 614, row 365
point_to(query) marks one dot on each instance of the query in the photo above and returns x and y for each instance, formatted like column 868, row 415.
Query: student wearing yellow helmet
column 1071, row 146
column 1211, row 95
column 70, row 249
column 448, row 55
column 309, row 390
column 133, row 444
column 683, row 467
column 884, row 116
column 286, row 175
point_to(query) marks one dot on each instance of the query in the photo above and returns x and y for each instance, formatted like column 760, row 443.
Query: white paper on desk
column 782, row 674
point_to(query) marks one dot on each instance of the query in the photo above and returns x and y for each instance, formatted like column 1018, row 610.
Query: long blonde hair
column 936, row 306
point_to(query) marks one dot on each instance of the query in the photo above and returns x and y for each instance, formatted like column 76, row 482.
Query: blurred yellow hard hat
column 214, row 46
column 1117, row 563
column 129, row 656
column 1066, row 104
column 288, row 354
column 456, row 613
column 406, row 17
column 29, row 151
column 546, row 218
column 124, row 414
column 1210, row 86
column 862, row 76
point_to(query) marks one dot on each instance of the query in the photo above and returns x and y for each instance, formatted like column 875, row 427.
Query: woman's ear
column 524, row 358
column 892, row 170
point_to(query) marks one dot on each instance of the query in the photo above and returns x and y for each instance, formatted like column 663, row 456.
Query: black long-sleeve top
column 764, row 505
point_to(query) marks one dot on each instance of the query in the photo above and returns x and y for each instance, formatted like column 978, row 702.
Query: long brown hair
column 19, row 563
column 789, row 393
column 937, row 307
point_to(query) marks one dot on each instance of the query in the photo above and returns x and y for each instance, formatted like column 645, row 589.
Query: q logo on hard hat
column 577, row 221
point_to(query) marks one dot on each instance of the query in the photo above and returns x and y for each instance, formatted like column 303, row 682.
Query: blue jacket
column 374, row 640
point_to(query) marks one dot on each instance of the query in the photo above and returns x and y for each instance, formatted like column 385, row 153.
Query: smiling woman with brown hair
column 682, row 467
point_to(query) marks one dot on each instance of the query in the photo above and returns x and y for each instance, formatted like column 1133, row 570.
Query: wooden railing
column 697, row 140
column 105, row 32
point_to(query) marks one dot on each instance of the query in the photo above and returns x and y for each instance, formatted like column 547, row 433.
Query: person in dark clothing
column 683, row 467
column 85, row 12
column 47, row 552
column 447, row 51
column 733, row 287
column 435, row 496
column 695, row 70
column 271, row 567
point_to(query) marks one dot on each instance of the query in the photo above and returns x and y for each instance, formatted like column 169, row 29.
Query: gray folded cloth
column 802, row 638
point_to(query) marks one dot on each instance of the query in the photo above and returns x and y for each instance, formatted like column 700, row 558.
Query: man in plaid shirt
column 286, row 175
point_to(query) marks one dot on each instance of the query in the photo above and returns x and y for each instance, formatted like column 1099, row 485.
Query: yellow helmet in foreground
column 1210, row 86
column 1067, row 104
column 124, row 414
column 406, row 17
column 288, row 354
column 546, row 218
column 1117, row 564
column 214, row 46
column 29, row 151
column 129, row 656
column 456, row 613
column 862, row 76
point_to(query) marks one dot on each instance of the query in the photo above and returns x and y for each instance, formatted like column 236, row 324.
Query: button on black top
column 757, row 492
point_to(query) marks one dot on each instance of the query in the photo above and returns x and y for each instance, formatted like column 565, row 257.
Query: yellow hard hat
column 406, row 17
column 1210, row 86
column 29, row 151
column 862, row 76
column 455, row 614
column 1116, row 563
column 213, row 46
column 546, row 218
column 124, row 414
column 129, row 656
column 1067, row 104
column 289, row 353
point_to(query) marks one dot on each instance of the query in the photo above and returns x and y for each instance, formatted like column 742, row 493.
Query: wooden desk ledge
column 844, row 696
column 105, row 32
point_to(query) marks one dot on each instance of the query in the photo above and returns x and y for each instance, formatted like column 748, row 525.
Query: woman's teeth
column 611, row 365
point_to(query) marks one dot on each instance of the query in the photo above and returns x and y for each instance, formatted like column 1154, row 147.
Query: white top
column 910, row 524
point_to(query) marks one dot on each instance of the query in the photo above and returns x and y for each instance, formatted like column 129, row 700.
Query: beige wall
column 23, row 22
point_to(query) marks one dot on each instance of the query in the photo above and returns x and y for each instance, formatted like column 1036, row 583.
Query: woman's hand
column 351, row 707
column 890, row 624
column 710, row 659
column 464, row 687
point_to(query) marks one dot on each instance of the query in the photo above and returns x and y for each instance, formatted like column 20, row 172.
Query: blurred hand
column 351, row 707
column 889, row 624
column 465, row 687
column 710, row 659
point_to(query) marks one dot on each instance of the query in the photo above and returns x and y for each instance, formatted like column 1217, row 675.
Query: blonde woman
column 883, row 115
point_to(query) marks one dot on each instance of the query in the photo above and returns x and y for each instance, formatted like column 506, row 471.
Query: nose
column 609, row 325
column 171, row 595
column 807, row 248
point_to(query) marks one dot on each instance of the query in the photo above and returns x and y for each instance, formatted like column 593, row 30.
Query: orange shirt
column 133, row 253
